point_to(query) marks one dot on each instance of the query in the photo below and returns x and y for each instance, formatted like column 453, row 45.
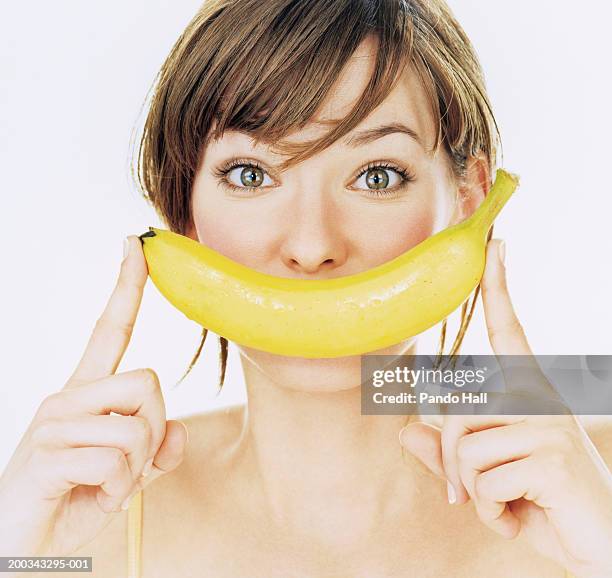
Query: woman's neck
column 324, row 470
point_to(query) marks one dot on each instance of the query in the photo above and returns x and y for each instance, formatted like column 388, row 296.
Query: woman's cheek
column 401, row 231
column 236, row 238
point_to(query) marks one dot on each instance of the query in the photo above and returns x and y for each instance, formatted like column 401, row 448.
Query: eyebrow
column 369, row 135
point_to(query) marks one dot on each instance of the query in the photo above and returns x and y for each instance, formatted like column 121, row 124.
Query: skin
column 313, row 222
column 301, row 481
column 303, row 416
column 308, row 223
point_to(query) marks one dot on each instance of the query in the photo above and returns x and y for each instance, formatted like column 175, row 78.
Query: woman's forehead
column 407, row 102
column 405, row 105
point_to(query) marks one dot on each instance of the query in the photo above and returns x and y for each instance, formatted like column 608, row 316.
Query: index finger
column 522, row 373
column 505, row 331
column 113, row 330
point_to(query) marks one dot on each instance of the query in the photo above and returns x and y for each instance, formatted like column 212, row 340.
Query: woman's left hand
column 534, row 474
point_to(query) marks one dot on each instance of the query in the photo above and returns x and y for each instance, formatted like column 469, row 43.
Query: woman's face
column 330, row 215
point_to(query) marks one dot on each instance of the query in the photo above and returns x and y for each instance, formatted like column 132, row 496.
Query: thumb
column 424, row 441
column 169, row 455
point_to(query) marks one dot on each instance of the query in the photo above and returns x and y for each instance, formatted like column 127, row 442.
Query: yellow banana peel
column 313, row 318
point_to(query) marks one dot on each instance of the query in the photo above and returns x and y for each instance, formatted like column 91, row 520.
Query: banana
column 317, row 318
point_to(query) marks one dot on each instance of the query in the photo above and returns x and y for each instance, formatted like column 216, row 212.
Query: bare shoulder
column 210, row 434
column 108, row 549
column 212, row 437
column 212, row 430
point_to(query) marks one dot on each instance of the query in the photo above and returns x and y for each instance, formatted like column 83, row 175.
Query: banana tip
column 149, row 233
column 514, row 177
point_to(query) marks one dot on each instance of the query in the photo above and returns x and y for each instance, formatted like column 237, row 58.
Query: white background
column 74, row 76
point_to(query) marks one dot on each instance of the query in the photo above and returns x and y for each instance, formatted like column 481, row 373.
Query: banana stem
column 505, row 184
column 149, row 233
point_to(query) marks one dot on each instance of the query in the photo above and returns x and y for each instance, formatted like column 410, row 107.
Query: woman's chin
column 319, row 374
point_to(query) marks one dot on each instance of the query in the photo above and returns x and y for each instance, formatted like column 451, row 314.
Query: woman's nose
column 313, row 241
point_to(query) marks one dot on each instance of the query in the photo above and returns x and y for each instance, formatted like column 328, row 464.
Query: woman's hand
column 534, row 474
column 76, row 463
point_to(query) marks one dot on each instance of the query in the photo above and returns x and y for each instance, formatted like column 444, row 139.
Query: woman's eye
column 248, row 176
column 378, row 178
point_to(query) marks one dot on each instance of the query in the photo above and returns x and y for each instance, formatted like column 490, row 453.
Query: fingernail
column 502, row 251
column 126, row 503
column 452, row 495
column 147, row 468
column 399, row 435
column 126, row 247
column 186, row 432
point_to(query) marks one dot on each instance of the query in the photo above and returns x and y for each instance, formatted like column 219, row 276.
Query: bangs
column 265, row 68
column 276, row 83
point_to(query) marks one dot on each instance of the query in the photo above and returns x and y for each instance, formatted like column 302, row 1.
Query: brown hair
column 266, row 67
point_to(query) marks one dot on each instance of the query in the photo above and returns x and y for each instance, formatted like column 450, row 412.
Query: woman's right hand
column 76, row 464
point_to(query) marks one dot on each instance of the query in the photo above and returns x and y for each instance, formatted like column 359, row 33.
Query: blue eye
column 250, row 176
column 376, row 177
column 253, row 176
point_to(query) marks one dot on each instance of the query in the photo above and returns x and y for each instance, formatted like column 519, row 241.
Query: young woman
column 309, row 139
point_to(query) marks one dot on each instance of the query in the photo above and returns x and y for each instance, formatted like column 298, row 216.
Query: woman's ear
column 472, row 188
